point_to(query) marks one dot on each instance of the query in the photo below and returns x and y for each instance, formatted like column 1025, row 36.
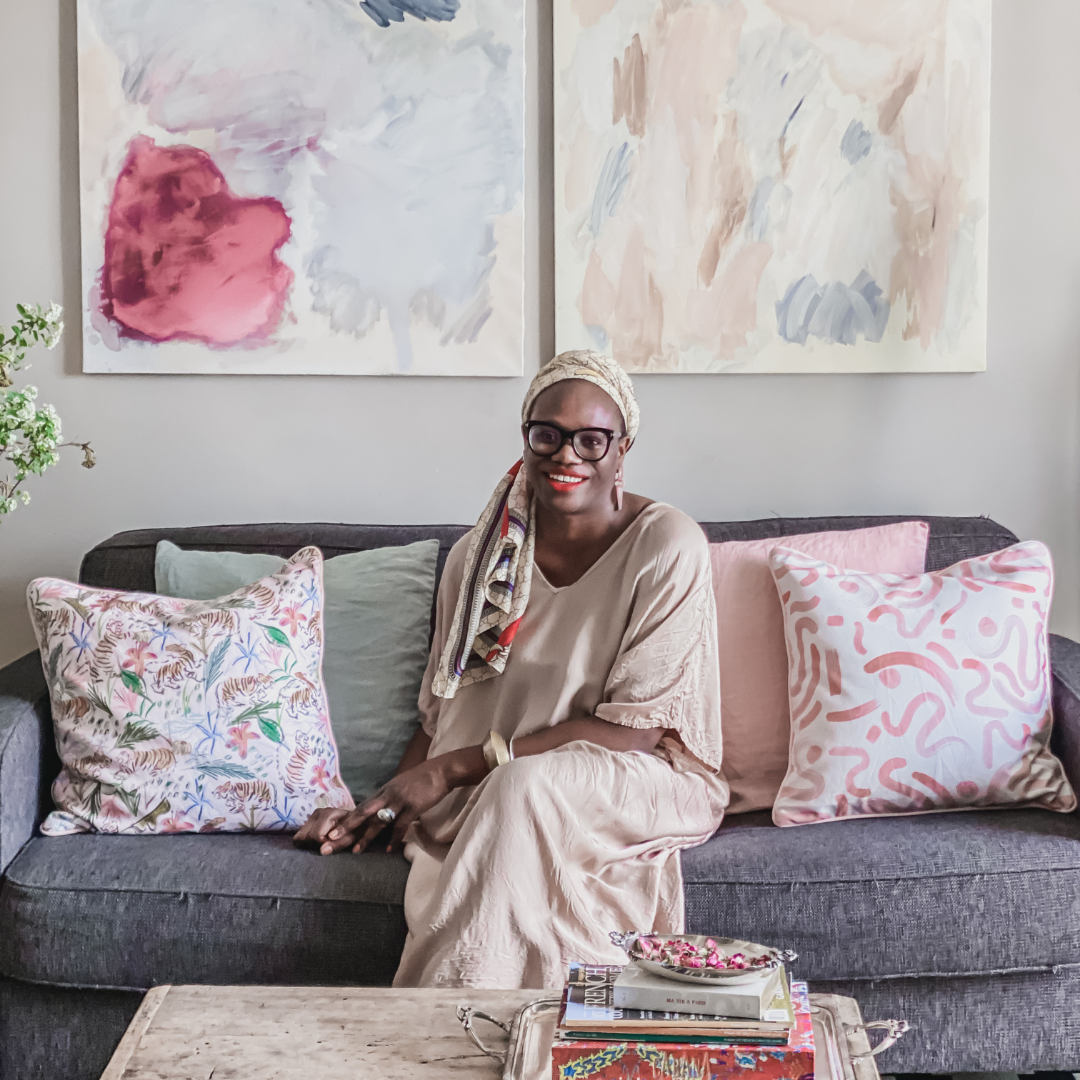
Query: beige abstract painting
column 773, row 185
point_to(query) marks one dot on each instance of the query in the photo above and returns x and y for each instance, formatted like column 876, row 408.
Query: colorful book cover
column 574, row 1059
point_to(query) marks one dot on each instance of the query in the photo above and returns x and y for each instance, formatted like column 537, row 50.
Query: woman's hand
column 409, row 794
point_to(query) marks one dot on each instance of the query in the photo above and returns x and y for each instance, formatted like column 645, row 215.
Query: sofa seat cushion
column 132, row 912
column 945, row 894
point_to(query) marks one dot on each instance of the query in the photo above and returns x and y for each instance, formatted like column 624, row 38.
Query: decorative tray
column 842, row 1049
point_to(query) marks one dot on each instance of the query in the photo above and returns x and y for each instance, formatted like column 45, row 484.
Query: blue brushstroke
column 836, row 313
column 384, row 12
column 791, row 118
column 609, row 188
column 599, row 337
column 856, row 143
column 757, row 213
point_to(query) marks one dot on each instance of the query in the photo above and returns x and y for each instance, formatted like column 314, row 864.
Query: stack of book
column 627, row 1022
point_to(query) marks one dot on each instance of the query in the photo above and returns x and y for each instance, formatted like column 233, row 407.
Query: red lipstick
column 562, row 485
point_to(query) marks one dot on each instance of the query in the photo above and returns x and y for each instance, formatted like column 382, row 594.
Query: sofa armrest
column 27, row 753
column 1065, row 663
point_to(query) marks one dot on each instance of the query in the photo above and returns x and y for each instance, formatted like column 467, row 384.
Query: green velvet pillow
column 377, row 619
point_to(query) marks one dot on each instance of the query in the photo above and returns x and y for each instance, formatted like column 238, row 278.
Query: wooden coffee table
column 329, row 1033
column 279, row 1032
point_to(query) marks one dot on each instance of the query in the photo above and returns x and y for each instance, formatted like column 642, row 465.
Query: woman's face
column 564, row 483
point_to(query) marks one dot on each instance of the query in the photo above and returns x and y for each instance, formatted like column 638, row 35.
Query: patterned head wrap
column 498, row 565
column 600, row 370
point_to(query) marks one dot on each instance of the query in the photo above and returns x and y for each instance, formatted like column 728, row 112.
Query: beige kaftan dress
column 531, row 869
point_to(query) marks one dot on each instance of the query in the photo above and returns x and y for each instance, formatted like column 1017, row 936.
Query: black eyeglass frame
column 570, row 437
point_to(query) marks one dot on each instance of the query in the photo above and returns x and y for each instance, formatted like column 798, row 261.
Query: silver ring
column 386, row 814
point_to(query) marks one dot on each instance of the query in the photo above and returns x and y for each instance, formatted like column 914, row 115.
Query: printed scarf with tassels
column 494, row 590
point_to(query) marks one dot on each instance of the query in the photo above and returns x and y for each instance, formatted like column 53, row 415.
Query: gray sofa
column 967, row 925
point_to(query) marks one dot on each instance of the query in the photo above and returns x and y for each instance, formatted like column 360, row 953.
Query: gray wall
column 178, row 450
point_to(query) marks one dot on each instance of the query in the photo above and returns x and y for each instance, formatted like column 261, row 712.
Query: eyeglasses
column 589, row 443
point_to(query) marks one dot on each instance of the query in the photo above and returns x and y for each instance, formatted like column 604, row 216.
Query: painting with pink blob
column 756, row 186
column 328, row 187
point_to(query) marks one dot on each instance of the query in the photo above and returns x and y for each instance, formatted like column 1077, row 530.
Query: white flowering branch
column 29, row 434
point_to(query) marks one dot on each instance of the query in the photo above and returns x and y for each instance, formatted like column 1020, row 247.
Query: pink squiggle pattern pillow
column 920, row 694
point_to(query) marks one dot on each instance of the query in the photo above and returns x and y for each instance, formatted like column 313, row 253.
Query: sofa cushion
column 950, row 894
column 129, row 912
column 866, row 899
column 160, row 737
column 921, row 648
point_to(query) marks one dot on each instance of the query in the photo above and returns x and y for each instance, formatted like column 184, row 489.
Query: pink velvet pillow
column 750, row 632
column 918, row 694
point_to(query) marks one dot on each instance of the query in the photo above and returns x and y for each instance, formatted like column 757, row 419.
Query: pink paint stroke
column 185, row 258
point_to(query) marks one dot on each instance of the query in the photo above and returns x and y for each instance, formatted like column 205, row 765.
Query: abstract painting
column 302, row 186
column 773, row 185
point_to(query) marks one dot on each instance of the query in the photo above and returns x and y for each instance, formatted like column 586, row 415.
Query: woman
column 570, row 739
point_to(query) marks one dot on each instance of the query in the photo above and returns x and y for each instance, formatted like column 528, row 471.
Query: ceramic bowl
column 734, row 961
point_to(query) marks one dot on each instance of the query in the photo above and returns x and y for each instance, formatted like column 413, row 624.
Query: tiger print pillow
column 185, row 716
